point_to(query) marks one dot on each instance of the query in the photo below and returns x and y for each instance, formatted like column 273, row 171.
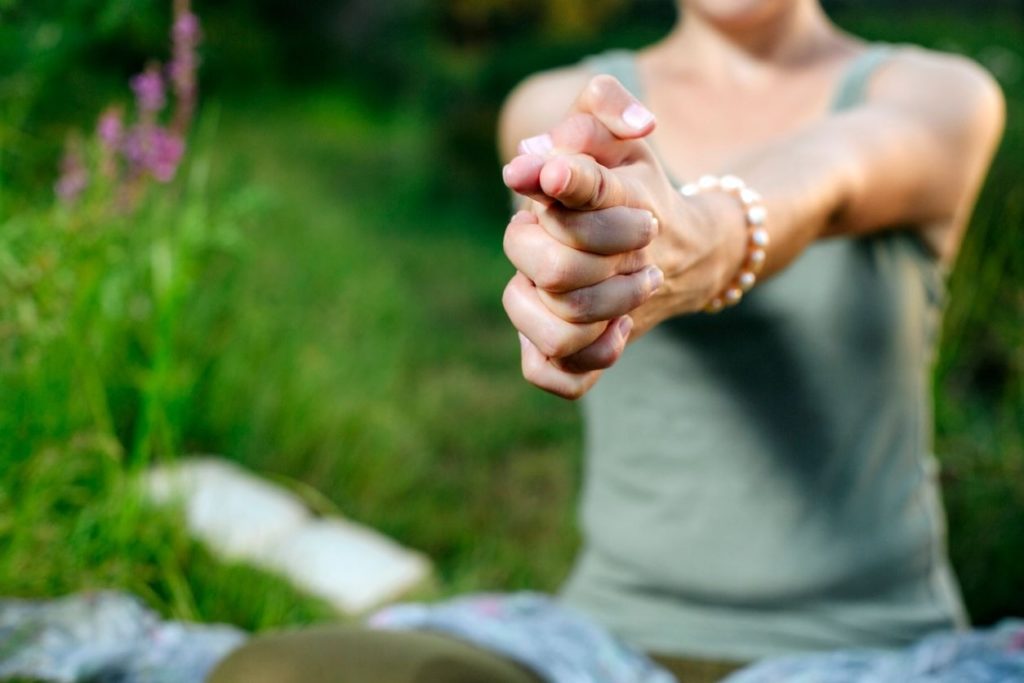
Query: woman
column 758, row 480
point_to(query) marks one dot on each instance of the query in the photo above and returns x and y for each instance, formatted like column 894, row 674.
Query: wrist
column 742, row 253
column 723, row 218
column 701, row 248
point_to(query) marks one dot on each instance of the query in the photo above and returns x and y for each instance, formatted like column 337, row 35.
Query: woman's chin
column 739, row 14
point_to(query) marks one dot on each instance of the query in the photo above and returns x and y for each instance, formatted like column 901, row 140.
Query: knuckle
column 598, row 190
column 603, row 357
column 607, row 354
column 573, row 392
column 557, row 345
column 508, row 242
column 557, row 273
column 508, row 296
column 580, row 304
column 600, row 86
column 640, row 291
column 553, row 348
column 531, row 370
column 577, row 231
column 645, row 233
column 632, row 261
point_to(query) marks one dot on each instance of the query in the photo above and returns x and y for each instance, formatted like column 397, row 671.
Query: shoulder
column 954, row 93
column 538, row 103
column 952, row 112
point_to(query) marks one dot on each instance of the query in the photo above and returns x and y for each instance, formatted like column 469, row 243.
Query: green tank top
column 761, row 481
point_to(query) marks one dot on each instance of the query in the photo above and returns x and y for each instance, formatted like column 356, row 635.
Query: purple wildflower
column 186, row 29
column 185, row 35
column 149, row 90
column 74, row 177
column 154, row 150
column 135, row 147
column 110, row 128
column 167, row 151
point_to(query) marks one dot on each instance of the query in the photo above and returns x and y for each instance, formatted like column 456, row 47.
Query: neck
column 744, row 49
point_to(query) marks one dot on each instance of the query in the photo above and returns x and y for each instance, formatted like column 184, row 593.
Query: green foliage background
column 334, row 319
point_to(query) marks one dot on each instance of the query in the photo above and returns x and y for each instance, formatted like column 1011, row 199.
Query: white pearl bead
column 759, row 237
column 708, row 182
column 689, row 190
column 733, row 295
column 715, row 305
column 756, row 215
column 731, row 183
column 749, row 196
column 756, row 260
column 746, row 280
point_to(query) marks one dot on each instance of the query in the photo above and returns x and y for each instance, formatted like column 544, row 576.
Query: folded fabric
column 106, row 637
column 563, row 646
column 994, row 655
column 559, row 644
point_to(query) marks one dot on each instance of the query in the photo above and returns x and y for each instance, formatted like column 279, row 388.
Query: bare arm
column 913, row 155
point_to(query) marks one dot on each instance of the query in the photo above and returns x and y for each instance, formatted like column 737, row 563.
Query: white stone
column 240, row 516
column 236, row 513
column 353, row 567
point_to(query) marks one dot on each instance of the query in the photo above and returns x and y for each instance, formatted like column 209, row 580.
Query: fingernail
column 522, row 340
column 625, row 326
column 637, row 116
column 505, row 171
column 655, row 278
column 539, row 144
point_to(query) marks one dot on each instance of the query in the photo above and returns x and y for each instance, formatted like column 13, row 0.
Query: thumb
column 606, row 121
column 608, row 101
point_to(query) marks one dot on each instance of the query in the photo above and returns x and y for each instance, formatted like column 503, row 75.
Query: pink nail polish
column 637, row 116
column 539, row 144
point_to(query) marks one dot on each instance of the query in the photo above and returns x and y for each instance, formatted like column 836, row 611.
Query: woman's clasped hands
column 605, row 247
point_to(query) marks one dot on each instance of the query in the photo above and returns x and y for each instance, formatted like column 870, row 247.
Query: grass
column 348, row 341
column 382, row 350
column 343, row 333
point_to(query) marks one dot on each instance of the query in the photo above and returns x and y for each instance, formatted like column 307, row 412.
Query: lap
column 348, row 654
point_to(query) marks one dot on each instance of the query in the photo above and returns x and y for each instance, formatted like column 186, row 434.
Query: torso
column 760, row 481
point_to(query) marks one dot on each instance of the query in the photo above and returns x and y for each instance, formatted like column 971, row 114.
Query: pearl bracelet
column 757, row 237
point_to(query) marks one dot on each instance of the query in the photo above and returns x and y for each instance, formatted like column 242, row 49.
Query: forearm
column 804, row 182
column 876, row 168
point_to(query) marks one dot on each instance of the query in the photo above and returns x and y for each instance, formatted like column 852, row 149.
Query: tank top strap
column 853, row 86
column 851, row 90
